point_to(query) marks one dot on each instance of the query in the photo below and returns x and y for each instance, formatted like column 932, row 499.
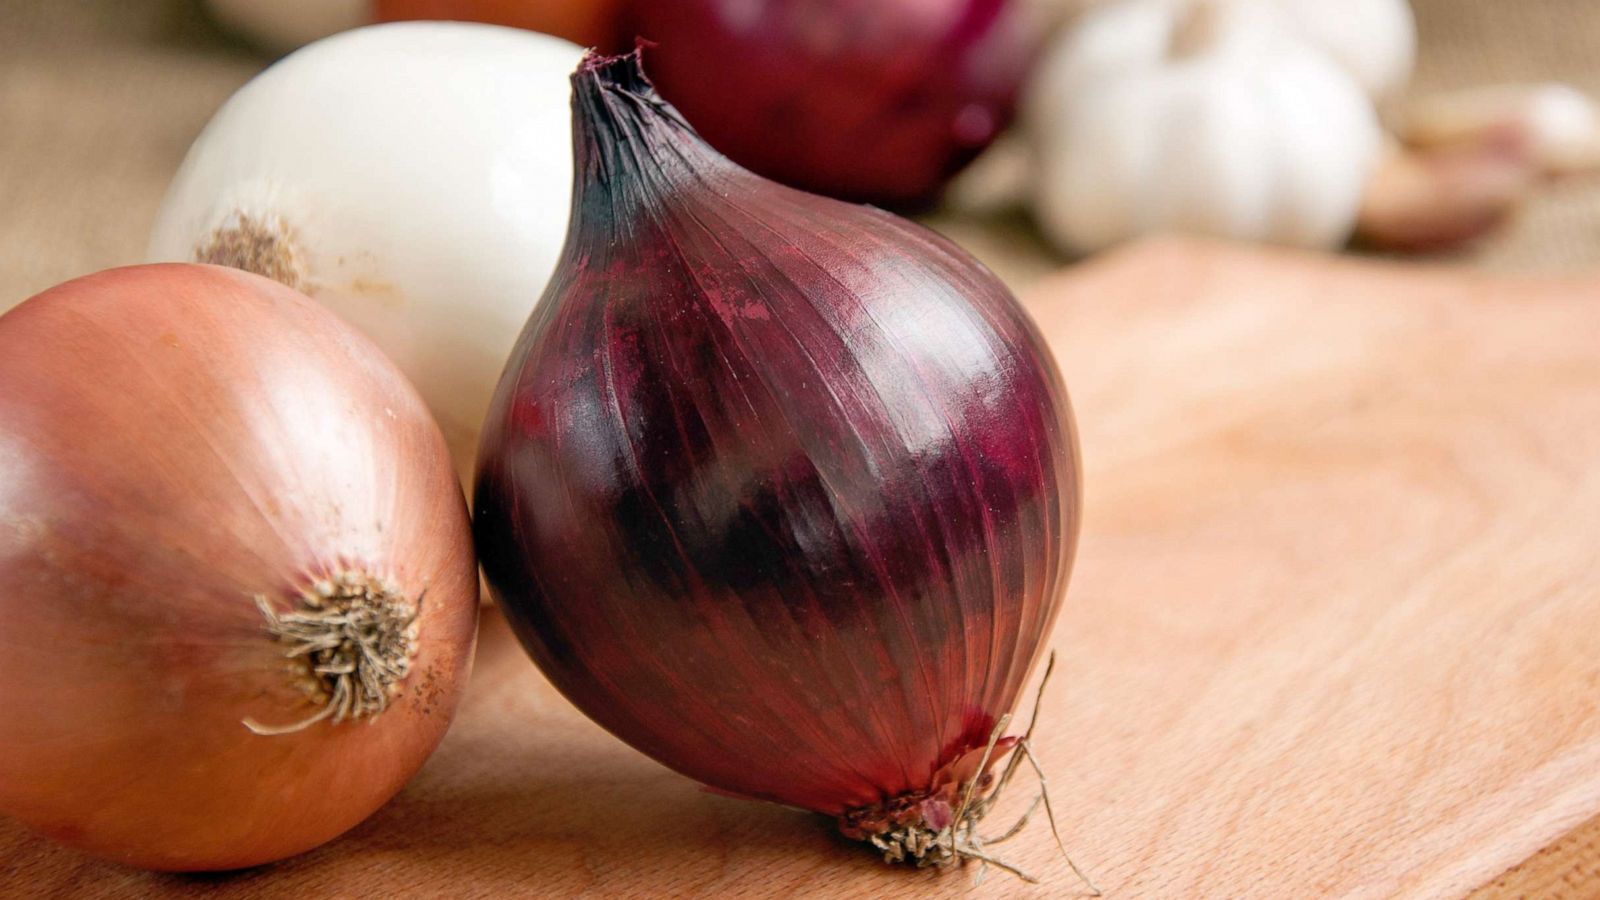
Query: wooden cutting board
column 1335, row 628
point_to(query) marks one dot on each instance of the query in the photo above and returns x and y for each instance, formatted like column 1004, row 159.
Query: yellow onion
column 237, row 592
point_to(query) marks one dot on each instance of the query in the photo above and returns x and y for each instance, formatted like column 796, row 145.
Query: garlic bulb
column 414, row 177
column 1204, row 116
column 1375, row 40
column 283, row 25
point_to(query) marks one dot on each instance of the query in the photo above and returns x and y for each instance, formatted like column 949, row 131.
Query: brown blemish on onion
column 349, row 640
column 430, row 693
column 385, row 293
column 264, row 246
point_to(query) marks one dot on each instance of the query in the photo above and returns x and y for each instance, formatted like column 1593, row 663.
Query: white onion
column 283, row 25
column 414, row 177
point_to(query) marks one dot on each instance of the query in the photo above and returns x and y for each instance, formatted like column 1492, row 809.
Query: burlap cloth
column 1468, row 42
column 100, row 98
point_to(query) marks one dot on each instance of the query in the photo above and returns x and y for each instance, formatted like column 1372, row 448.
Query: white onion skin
column 422, row 172
column 173, row 441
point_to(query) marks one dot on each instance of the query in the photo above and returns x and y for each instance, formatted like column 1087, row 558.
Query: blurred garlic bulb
column 1375, row 40
column 1202, row 116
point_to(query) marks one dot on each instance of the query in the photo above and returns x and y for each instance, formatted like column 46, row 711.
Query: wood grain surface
column 1333, row 630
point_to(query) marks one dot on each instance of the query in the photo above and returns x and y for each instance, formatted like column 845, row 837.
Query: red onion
column 875, row 100
column 210, row 485
column 781, row 491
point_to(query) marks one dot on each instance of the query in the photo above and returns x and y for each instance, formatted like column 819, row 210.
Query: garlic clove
column 1434, row 200
column 1560, row 123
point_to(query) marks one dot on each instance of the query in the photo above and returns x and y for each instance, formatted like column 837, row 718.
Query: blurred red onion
column 873, row 100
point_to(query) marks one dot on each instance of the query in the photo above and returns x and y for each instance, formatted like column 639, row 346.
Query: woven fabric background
column 1472, row 42
column 100, row 98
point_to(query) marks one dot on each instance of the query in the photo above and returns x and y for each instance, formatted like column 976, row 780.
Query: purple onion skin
column 881, row 101
column 779, row 490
